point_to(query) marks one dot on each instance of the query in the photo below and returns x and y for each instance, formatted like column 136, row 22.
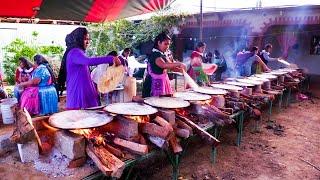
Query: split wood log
column 175, row 145
column 142, row 140
column 183, row 125
column 164, row 123
column 200, row 131
column 184, row 133
column 122, row 127
column 155, row 130
column 24, row 131
column 117, row 152
column 109, row 164
column 161, row 143
column 131, row 146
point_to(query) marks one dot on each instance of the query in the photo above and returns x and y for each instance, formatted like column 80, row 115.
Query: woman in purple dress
column 81, row 93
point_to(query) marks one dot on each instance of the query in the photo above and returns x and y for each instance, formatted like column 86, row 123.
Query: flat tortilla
column 267, row 76
column 227, row 87
column 111, row 79
column 79, row 119
column 210, row 91
column 288, row 70
column 239, row 84
column 249, row 81
column 278, row 73
column 131, row 108
column 191, row 96
column 284, row 62
column 167, row 102
column 258, row 79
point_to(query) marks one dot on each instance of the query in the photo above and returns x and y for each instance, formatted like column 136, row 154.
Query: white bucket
column 7, row 111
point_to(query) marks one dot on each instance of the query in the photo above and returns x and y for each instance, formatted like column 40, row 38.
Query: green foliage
column 117, row 35
column 108, row 37
column 19, row 48
column 150, row 28
column 51, row 50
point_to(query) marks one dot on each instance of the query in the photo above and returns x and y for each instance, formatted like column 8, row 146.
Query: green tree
column 117, row 35
column 19, row 48
column 112, row 36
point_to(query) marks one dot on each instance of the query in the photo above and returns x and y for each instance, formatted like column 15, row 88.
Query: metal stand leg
column 176, row 82
column 174, row 161
column 280, row 101
column 288, row 97
column 239, row 128
column 270, row 111
column 214, row 149
column 128, row 176
column 107, row 98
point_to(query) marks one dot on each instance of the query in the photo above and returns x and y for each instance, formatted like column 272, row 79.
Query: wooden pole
column 201, row 22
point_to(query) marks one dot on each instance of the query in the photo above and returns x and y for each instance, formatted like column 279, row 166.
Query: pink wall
column 257, row 27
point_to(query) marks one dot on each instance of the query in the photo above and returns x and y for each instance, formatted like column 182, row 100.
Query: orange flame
column 91, row 134
column 45, row 124
column 84, row 132
column 139, row 119
column 182, row 112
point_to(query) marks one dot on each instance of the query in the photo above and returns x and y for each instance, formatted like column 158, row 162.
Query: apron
column 160, row 83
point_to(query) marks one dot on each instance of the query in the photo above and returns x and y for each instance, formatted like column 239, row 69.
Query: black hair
column 200, row 44
column 26, row 62
column 254, row 48
column 160, row 38
column 113, row 53
column 127, row 50
column 40, row 60
column 217, row 53
column 267, row 46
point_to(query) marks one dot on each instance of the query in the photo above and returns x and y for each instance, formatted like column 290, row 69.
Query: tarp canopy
column 79, row 10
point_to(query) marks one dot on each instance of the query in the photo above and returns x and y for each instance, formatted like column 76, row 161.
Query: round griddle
column 278, row 73
column 287, row 70
column 79, row 119
column 210, row 91
column 267, row 76
column 227, row 87
column 191, row 96
column 258, row 79
column 131, row 108
column 239, row 84
column 249, row 81
column 167, row 102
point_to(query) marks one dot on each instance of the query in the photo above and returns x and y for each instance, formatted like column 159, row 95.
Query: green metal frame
column 216, row 131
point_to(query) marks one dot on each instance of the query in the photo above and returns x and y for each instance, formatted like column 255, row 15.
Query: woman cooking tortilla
column 81, row 92
column 157, row 82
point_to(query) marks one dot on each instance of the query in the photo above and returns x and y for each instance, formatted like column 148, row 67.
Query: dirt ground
column 263, row 155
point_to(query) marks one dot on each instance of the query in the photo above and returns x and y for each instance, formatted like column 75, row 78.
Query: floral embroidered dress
column 196, row 70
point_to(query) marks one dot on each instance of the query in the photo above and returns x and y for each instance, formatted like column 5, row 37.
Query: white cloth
column 134, row 64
